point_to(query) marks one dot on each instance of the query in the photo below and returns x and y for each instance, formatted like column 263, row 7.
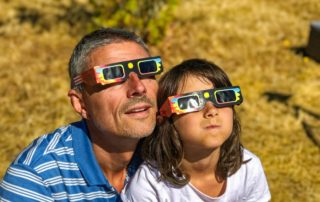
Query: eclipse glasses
column 119, row 72
column 195, row 101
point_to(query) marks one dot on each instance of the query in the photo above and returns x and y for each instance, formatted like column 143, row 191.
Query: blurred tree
column 145, row 17
column 148, row 18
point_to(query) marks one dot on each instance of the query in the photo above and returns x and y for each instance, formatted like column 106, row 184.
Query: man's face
column 125, row 109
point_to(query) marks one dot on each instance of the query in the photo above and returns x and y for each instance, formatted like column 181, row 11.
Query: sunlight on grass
column 251, row 39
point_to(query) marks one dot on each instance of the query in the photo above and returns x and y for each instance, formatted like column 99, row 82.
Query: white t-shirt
column 249, row 183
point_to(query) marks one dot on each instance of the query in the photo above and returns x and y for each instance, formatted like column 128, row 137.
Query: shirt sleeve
column 259, row 189
column 22, row 183
column 143, row 187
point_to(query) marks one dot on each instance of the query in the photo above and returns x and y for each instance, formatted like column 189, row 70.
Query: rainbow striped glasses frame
column 119, row 72
column 195, row 101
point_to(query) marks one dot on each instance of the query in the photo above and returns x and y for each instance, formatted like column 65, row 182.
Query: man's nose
column 210, row 110
column 135, row 85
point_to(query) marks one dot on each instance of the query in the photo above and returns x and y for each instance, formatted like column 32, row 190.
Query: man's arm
column 22, row 183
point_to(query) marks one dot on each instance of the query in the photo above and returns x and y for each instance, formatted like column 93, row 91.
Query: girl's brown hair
column 163, row 149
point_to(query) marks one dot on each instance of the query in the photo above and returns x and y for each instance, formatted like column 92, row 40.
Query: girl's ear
column 77, row 102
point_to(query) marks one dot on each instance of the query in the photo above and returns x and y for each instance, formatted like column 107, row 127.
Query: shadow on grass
column 302, row 51
column 308, row 128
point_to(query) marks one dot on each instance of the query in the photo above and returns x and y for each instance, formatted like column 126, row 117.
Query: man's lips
column 138, row 108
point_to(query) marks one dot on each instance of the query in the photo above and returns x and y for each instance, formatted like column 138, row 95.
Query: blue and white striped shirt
column 60, row 166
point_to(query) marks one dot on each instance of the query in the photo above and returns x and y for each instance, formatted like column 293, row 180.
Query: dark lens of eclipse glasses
column 113, row 72
column 147, row 67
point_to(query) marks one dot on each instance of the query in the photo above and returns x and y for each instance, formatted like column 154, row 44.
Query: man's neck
column 113, row 154
column 113, row 165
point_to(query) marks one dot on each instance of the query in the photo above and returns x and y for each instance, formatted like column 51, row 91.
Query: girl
column 195, row 152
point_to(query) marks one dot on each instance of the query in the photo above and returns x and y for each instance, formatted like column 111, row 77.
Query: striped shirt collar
column 85, row 156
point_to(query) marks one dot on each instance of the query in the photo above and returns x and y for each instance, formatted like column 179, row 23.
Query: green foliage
column 145, row 17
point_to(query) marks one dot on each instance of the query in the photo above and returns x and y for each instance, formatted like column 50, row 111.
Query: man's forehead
column 116, row 52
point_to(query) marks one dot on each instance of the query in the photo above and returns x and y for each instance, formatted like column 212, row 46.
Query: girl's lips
column 212, row 126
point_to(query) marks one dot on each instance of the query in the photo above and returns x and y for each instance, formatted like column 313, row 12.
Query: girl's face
column 205, row 129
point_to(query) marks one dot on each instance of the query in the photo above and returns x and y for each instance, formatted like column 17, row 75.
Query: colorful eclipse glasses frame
column 195, row 101
column 119, row 72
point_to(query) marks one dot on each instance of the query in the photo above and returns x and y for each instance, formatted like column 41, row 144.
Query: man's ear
column 76, row 99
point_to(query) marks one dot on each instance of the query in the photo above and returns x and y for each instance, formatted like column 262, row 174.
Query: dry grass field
column 253, row 40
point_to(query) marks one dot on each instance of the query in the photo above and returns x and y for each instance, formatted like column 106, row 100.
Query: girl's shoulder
column 250, row 180
column 147, row 172
column 248, row 155
column 251, row 164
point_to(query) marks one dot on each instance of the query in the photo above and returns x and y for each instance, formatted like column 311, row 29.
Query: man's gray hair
column 96, row 39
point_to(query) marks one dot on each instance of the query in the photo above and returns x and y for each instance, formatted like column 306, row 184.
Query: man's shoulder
column 53, row 145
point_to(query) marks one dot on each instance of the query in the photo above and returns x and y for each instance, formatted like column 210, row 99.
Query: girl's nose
column 210, row 110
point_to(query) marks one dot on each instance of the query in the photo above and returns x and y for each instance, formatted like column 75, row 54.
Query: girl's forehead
column 191, row 83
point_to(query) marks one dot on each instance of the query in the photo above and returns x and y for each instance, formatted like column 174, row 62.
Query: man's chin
column 139, row 130
column 138, row 127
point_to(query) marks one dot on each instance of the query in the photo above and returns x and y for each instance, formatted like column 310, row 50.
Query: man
column 114, row 90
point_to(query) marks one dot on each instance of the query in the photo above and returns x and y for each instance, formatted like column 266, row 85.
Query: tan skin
column 117, row 115
column 202, row 174
column 202, row 134
column 201, row 163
